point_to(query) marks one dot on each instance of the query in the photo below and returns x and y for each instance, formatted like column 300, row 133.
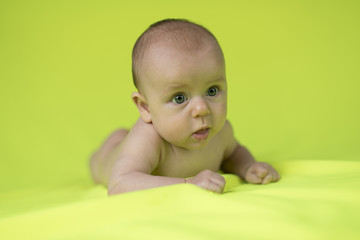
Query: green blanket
column 314, row 200
column 293, row 77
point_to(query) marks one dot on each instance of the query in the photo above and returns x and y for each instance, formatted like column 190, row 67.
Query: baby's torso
column 188, row 163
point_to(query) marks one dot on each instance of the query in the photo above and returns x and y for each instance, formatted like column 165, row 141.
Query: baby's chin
column 192, row 143
column 190, row 147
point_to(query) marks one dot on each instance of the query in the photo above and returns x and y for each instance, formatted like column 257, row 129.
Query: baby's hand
column 208, row 180
column 262, row 173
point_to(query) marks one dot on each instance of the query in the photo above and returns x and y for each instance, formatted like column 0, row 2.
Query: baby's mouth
column 201, row 134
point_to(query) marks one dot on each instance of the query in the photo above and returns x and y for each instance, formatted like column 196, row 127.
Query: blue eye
column 213, row 91
column 179, row 99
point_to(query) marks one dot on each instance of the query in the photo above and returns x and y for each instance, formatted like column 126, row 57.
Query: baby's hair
column 180, row 34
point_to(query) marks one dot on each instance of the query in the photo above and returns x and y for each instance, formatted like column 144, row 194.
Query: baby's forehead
column 169, row 68
column 168, row 54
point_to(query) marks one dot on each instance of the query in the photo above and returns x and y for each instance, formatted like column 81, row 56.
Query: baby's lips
column 202, row 131
column 201, row 134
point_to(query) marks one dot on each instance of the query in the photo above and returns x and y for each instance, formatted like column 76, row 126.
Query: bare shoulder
column 145, row 131
column 140, row 150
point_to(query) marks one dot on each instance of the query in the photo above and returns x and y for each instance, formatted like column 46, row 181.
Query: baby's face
column 186, row 94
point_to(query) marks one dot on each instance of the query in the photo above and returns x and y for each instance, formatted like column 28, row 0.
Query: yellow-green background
column 65, row 84
column 65, row 75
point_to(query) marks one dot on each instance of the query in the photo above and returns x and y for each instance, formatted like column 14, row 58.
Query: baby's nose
column 199, row 108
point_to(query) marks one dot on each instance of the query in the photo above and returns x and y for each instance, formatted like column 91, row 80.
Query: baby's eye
column 212, row 91
column 179, row 99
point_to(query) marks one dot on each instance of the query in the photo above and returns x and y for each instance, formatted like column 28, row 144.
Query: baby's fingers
column 209, row 180
column 261, row 170
column 269, row 178
column 273, row 176
column 217, row 183
column 252, row 177
column 214, row 187
column 218, row 179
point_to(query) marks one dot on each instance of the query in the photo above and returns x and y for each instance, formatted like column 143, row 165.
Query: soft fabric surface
column 292, row 68
column 314, row 200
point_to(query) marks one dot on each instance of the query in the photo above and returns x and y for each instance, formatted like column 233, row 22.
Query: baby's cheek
column 220, row 107
column 219, row 115
column 171, row 129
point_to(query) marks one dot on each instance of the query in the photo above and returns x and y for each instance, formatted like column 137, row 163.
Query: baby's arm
column 138, row 157
column 238, row 160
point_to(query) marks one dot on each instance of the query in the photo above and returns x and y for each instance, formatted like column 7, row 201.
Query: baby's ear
column 142, row 106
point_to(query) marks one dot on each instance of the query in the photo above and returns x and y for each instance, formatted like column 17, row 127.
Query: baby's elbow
column 116, row 189
column 112, row 191
column 116, row 186
column 120, row 184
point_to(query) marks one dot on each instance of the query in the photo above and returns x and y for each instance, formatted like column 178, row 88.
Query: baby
column 182, row 134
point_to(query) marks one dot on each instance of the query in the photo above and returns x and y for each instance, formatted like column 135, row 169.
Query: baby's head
column 179, row 70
